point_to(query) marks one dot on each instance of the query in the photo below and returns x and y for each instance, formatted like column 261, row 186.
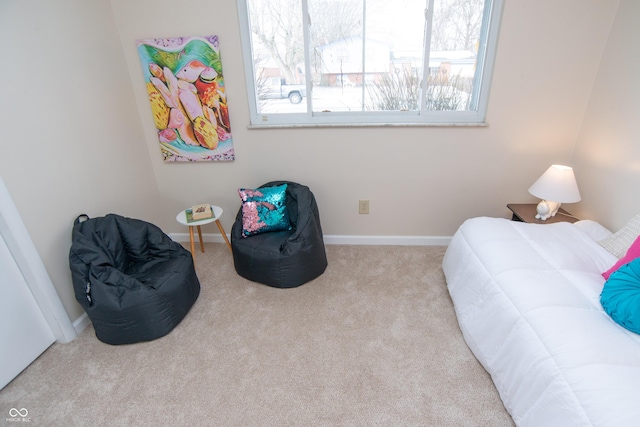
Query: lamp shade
column 557, row 184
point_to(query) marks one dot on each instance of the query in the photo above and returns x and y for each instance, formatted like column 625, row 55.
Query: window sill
column 362, row 125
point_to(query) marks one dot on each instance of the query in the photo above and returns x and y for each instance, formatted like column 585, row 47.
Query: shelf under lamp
column 556, row 186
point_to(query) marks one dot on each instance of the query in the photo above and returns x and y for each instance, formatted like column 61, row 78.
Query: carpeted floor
column 373, row 341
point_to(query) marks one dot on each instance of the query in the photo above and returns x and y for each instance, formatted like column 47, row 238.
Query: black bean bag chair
column 287, row 258
column 134, row 282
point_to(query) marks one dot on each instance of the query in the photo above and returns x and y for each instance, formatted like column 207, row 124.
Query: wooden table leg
column 200, row 237
column 224, row 235
column 191, row 240
column 193, row 255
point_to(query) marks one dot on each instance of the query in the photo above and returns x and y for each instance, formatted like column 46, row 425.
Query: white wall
column 77, row 132
column 71, row 137
column 420, row 181
column 607, row 155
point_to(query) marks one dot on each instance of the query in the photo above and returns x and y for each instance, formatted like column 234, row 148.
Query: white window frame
column 475, row 117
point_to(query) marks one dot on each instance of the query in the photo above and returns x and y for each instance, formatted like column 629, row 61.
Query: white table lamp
column 556, row 186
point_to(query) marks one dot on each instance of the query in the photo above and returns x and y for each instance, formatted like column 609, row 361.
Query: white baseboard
column 388, row 240
column 81, row 323
column 207, row 237
column 344, row 240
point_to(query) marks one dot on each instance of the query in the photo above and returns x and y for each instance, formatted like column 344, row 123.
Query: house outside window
column 368, row 62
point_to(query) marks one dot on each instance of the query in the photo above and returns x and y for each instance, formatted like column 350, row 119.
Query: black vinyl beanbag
column 134, row 282
column 286, row 258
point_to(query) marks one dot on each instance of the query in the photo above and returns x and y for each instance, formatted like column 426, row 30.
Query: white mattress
column 527, row 301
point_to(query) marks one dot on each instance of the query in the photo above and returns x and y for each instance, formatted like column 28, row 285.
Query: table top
column 182, row 217
column 526, row 212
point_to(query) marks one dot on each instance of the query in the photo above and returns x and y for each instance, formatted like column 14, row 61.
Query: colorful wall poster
column 184, row 80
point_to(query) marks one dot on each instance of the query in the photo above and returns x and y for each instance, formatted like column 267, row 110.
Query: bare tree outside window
column 277, row 26
column 367, row 55
column 456, row 25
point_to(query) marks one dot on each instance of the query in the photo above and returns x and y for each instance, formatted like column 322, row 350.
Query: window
column 368, row 62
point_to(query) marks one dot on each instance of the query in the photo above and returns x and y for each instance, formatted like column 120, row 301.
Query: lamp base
column 547, row 209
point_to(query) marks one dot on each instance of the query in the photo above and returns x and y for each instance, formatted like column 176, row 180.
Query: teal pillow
column 264, row 209
column 620, row 296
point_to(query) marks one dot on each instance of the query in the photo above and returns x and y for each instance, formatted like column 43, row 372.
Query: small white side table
column 217, row 213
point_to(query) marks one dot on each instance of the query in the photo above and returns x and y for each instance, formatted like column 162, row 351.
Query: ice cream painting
column 184, row 80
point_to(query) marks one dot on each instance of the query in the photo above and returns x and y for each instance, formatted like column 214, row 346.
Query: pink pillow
column 632, row 253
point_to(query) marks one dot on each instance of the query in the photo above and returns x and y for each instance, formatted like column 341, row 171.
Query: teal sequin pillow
column 264, row 209
column 620, row 296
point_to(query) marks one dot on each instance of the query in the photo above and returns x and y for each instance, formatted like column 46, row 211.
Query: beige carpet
column 373, row 341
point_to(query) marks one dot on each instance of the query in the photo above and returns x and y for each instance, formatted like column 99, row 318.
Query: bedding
column 527, row 298
column 619, row 242
column 632, row 253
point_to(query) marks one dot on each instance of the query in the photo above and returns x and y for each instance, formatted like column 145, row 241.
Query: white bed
column 527, row 301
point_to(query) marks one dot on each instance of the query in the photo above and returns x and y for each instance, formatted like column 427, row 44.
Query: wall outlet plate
column 363, row 207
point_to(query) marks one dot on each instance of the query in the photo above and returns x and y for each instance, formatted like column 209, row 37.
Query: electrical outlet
column 363, row 207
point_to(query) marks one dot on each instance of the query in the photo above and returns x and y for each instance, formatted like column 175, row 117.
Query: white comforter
column 527, row 301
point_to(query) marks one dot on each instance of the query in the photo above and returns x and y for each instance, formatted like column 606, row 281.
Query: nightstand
column 217, row 213
column 527, row 213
